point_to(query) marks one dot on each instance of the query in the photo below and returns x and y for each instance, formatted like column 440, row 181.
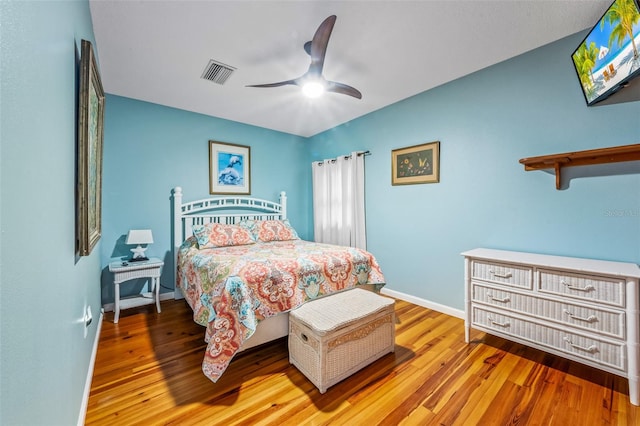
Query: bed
column 241, row 267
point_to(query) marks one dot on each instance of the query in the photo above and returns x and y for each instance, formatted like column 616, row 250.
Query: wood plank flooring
column 148, row 372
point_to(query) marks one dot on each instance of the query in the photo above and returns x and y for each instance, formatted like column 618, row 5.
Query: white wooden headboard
column 224, row 209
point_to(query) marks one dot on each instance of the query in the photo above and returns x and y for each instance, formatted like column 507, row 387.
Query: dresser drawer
column 601, row 289
column 610, row 354
column 603, row 321
column 502, row 273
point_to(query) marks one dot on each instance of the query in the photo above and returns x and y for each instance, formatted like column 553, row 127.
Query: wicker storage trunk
column 335, row 336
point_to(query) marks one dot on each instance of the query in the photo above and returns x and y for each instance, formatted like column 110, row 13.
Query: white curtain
column 338, row 201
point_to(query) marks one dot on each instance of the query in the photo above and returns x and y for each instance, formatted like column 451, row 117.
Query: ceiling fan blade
column 278, row 84
column 318, row 47
column 343, row 89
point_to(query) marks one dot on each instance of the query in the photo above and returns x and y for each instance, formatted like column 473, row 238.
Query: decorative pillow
column 270, row 230
column 214, row 235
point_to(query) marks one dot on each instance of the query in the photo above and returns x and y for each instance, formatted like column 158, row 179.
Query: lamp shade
column 139, row 236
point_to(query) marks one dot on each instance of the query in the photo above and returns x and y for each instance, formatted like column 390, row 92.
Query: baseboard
column 87, row 383
column 424, row 303
column 139, row 300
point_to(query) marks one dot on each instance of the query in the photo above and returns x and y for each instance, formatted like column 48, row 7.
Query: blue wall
column 528, row 106
column 44, row 354
column 150, row 149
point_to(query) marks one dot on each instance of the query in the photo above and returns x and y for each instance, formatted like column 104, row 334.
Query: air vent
column 217, row 72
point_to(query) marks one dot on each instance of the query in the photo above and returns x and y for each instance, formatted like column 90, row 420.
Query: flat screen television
column 609, row 56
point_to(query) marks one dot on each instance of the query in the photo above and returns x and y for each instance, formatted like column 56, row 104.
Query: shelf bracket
column 558, row 168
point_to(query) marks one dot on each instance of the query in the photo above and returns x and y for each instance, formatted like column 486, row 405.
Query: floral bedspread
column 231, row 289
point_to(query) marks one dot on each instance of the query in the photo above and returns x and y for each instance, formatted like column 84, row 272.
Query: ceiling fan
column 312, row 82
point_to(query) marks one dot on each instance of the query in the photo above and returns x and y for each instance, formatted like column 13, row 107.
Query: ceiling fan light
column 313, row 89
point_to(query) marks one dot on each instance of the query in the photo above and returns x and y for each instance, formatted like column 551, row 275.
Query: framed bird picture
column 416, row 164
column 229, row 168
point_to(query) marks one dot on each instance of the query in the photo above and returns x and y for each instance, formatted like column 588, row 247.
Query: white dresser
column 581, row 309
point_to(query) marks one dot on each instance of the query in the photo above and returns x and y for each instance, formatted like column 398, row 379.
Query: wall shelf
column 614, row 154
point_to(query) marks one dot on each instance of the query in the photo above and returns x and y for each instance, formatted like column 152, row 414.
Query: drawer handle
column 505, row 275
column 572, row 287
column 590, row 318
column 499, row 324
column 591, row 349
column 497, row 299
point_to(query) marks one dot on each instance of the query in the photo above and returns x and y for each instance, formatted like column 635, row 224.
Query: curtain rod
column 346, row 157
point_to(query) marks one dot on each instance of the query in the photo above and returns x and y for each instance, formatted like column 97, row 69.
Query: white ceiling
column 156, row 51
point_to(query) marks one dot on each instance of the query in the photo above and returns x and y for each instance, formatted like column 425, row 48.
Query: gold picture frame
column 89, row 163
column 416, row 164
column 229, row 168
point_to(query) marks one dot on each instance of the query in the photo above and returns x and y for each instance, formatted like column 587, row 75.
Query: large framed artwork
column 89, row 162
column 229, row 168
column 416, row 164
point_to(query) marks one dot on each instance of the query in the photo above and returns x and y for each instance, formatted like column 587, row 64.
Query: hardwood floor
column 148, row 372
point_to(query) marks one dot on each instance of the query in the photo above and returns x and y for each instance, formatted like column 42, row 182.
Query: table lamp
column 139, row 237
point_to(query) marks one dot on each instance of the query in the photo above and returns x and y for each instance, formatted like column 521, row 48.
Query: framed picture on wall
column 416, row 164
column 89, row 164
column 229, row 168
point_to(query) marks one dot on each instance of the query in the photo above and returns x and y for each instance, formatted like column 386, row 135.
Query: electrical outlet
column 87, row 320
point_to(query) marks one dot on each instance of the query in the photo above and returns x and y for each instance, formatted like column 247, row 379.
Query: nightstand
column 125, row 271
